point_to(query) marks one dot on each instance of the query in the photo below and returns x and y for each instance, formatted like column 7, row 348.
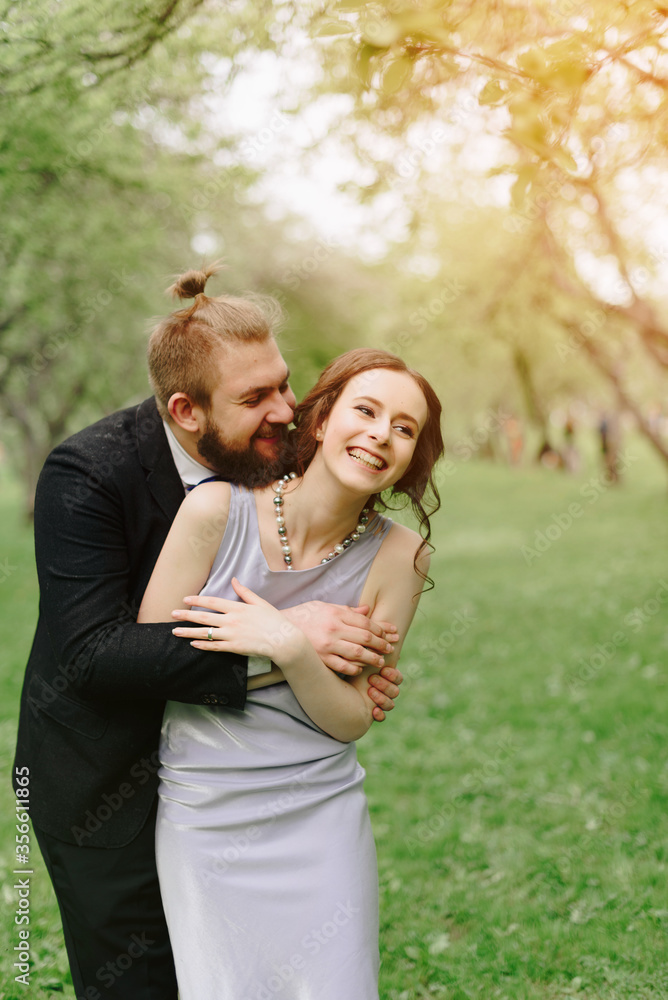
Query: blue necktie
column 211, row 479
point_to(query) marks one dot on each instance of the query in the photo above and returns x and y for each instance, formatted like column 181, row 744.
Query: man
column 96, row 682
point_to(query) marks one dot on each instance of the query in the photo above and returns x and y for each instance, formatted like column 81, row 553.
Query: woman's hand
column 254, row 628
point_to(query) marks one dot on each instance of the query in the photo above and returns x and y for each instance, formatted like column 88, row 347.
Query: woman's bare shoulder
column 401, row 542
column 206, row 509
column 207, row 498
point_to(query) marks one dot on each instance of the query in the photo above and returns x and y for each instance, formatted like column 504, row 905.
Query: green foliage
column 580, row 96
column 109, row 170
column 74, row 43
column 91, row 187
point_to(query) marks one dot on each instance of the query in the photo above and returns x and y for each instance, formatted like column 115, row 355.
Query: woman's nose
column 380, row 431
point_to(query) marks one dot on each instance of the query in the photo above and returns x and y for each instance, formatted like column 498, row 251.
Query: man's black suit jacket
column 96, row 682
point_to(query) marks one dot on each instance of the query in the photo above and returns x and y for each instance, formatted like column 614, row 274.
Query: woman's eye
column 406, row 430
column 366, row 410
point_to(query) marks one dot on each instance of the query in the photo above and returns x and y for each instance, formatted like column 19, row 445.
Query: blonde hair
column 184, row 348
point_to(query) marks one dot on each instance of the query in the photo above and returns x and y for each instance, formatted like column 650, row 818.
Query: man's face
column 245, row 429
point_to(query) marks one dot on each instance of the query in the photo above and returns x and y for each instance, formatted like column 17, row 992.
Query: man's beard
column 242, row 465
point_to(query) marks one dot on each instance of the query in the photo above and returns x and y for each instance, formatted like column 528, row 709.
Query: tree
column 77, row 44
column 579, row 95
column 107, row 171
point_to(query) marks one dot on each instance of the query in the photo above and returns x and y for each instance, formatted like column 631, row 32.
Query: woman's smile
column 367, row 459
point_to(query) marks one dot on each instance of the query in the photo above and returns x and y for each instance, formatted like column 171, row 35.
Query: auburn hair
column 417, row 485
column 184, row 347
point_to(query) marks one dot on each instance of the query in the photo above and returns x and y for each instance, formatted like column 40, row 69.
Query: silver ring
column 210, row 633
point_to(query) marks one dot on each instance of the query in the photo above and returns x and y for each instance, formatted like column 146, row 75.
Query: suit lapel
column 155, row 456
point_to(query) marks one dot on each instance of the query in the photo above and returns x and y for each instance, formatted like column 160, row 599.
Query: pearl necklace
column 283, row 531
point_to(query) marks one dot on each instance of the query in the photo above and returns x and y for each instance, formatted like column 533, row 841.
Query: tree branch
column 645, row 75
column 627, row 402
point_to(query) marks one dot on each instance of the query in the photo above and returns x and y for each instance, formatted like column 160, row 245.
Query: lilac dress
column 265, row 852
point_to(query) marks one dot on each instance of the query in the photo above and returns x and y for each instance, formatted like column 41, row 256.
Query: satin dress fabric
column 265, row 852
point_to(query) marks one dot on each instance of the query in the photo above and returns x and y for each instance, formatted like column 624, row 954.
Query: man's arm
column 348, row 641
column 82, row 542
column 345, row 638
column 340, row 706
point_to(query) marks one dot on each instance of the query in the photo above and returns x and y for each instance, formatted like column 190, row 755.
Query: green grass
column 518, row 792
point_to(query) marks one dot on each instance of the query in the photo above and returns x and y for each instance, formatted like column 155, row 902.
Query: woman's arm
column 187, row 556
column 98, row 532
column 393, row 589
column 258, row 628
column 340, row 707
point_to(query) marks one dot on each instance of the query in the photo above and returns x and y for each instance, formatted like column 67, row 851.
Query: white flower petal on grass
column 440, row 944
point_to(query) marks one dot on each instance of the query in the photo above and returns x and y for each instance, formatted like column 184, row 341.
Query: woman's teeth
column 365, row 458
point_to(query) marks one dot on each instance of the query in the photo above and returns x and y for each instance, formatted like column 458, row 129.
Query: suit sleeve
column 83, row 564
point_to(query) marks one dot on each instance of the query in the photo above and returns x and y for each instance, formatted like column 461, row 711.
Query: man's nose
column 290, row 398
column 281, row 411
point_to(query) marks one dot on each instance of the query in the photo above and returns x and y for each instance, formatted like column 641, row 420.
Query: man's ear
column 185, row 413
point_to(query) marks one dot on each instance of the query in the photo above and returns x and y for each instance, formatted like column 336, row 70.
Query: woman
column 265, row 851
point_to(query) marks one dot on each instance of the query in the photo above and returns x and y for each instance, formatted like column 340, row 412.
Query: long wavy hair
column 417, row 484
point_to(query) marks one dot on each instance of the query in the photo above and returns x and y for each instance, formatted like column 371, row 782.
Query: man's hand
column 345, row 639
column 384, row 689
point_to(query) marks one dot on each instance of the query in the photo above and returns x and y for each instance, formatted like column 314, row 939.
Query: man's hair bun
column 192, row 283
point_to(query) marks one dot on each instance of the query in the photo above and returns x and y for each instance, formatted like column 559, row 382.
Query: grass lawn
column 518, row 793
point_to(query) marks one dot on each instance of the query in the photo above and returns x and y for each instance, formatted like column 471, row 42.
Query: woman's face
column 369, row 437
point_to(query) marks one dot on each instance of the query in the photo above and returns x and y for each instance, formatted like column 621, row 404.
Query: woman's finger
column 201, row 617
column 245, row 593
column 198, row 633
column 220, row 604
column 213, row 647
